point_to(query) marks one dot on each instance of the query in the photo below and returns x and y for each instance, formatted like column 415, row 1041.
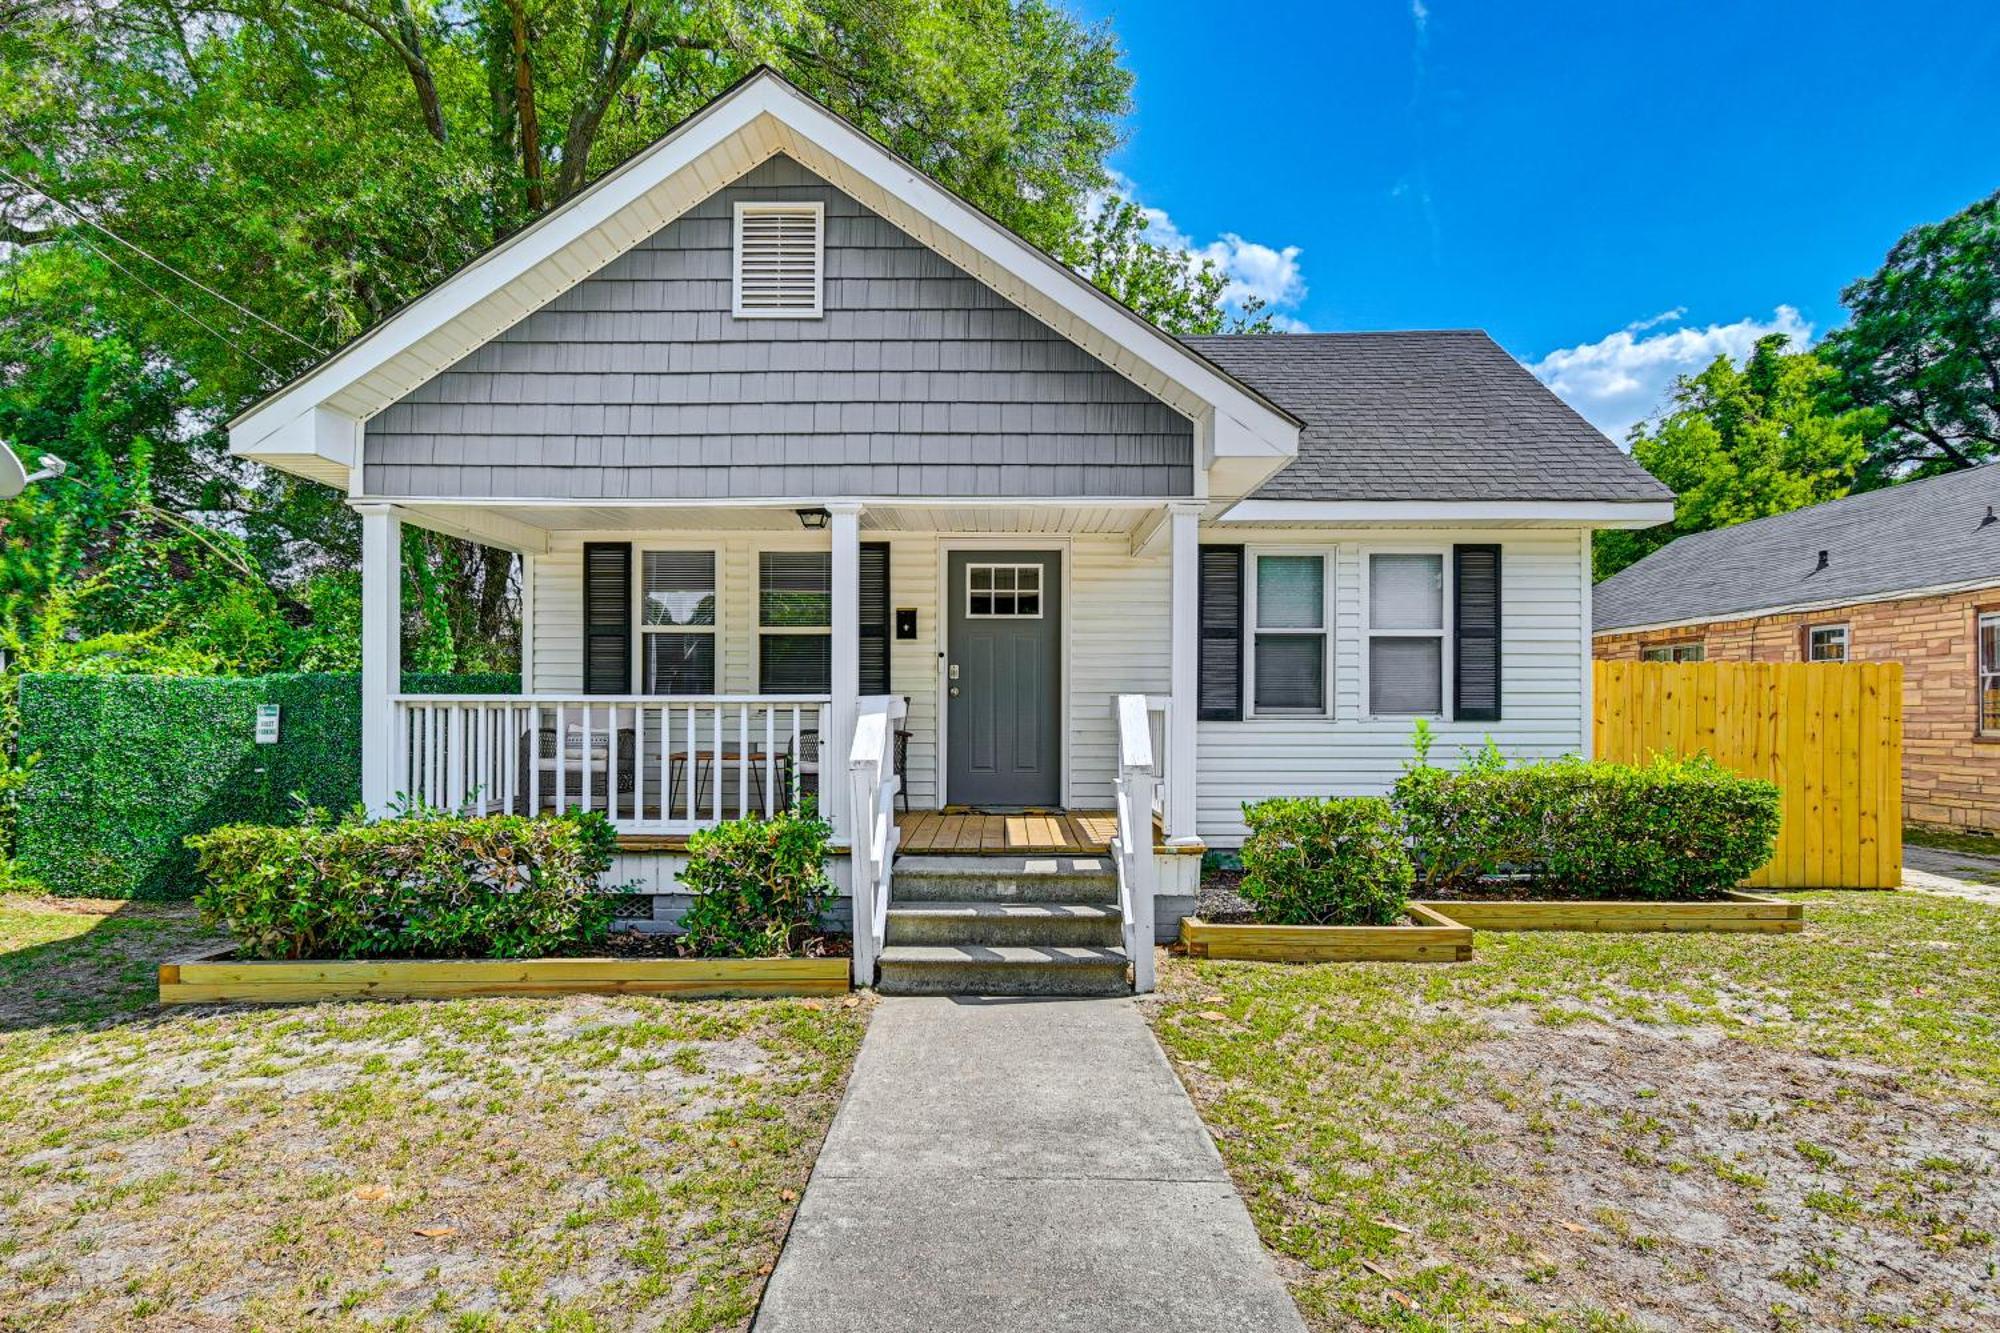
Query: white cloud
column 1250, row 268
column 1625, row 378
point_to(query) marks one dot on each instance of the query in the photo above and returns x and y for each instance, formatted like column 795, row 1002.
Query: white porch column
column 381, row 653
column 845, row 529
column 1183, row 667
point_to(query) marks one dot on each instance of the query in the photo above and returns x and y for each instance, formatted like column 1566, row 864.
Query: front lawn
column 1622, row 1131
column 574, row 1163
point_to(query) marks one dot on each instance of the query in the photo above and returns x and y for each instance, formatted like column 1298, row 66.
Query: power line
column 224, row 338
column 89, row 221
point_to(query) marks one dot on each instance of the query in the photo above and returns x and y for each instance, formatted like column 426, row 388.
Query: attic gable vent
column 778, row 260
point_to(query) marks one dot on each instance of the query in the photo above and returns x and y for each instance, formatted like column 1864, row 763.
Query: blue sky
column 1617, row 192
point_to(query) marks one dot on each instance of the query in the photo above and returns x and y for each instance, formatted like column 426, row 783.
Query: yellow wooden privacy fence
column 1830, row 735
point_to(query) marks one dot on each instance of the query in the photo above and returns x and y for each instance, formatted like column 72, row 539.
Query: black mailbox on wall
column 906, row 622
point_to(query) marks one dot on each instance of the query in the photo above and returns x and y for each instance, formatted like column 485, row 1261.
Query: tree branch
column 400, row 33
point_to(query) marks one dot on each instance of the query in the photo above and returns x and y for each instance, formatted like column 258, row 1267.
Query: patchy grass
column 576, row 1163
column 1952, row 840
column 1622, row 1131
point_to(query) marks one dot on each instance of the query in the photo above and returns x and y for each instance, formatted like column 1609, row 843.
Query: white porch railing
column 872, row 786
column 649, row 763
column 1137, row 799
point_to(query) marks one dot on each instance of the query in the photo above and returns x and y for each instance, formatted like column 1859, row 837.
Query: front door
column 1003, row 669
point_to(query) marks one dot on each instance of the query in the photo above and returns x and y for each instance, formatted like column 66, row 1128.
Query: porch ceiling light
column 813, row 518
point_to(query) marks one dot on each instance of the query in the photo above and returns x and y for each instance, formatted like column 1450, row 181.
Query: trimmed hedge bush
column 125, row 767
column 504, row 886
column 1325, row 861
column 1671, row 830
column 759, row 885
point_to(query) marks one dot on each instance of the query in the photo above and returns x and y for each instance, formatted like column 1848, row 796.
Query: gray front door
column 1003, row 668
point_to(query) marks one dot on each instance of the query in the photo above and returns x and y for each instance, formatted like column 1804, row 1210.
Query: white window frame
column 1846, row 641
column 1329, row 558
column 1041, row 592
column 1673, row 648
column 747, row 208
column 789, row 631
column 1444, row 632
column 640, row 629
column 1982, row 669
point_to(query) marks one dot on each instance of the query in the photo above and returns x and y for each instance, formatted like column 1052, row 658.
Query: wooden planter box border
column 1440, row 940
column 217, row 978
column 1736, row 912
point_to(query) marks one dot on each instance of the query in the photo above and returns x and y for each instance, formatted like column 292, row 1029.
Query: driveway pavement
column 1958, row 874
column 1020, row 1166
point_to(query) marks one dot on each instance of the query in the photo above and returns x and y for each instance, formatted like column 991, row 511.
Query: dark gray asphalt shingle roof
column 1922, row 534
column 1424, row 416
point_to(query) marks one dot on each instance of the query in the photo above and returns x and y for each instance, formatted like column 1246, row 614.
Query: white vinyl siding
column 1543, row 656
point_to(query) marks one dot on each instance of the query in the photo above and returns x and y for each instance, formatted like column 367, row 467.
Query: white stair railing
column 1132, row 844
column 872, row 786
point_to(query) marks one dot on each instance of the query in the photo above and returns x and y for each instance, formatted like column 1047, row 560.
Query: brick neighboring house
column 1910, row 574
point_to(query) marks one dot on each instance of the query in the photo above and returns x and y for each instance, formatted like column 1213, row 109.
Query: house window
column 1694, row 650
column 1003, row 592
column 1989, row 673
column 1288, row 647
column 778, row 261
column 1826, row 643
column 1406, row 633
column 677, row 624
column 795, row 622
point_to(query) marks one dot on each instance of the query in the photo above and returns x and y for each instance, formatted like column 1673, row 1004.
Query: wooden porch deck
column 974, row 833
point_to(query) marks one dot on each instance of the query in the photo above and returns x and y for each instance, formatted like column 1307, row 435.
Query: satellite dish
column 13, row 477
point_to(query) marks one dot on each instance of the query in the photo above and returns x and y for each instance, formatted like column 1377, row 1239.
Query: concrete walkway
column 1954, row 874
column 1029, row 1165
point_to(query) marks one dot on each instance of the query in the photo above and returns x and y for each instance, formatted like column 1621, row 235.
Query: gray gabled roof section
column 1443, row 415
column 1938, row 533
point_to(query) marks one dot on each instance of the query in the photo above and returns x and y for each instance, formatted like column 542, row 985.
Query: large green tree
column 311, row 165
column 1739, row 443
column 1922, row 347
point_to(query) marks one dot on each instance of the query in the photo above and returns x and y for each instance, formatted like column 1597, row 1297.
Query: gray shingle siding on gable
column 639, row 383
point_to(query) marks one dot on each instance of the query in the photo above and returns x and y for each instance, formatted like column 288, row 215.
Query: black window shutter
column 1219, row 686
column 875, row 618
column 1476, row 633
column 607, row 618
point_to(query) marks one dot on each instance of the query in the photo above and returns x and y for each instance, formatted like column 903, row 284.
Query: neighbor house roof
column 1933, row 535
column 1442, row 416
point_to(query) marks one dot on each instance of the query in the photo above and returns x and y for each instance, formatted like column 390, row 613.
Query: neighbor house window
column 1288, row 648
column 1989, row 673
column 778, row 253
column 677, row 622
column 1405, row 634
column 1826, row 643
column 1693, row 650
column 795, row 622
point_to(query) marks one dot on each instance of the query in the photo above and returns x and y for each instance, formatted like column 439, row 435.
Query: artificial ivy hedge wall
column 127, row 766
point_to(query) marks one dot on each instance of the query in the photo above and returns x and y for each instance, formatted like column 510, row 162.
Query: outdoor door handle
column 954, row 691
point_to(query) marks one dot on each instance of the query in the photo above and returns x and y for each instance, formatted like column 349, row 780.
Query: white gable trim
column 761, row 118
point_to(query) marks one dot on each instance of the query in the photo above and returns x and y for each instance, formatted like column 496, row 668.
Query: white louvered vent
column 778, row 254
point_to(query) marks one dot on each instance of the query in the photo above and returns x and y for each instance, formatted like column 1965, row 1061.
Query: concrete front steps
column 994, row 925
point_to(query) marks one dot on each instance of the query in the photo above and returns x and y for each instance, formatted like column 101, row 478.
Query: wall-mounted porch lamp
column 814, row 519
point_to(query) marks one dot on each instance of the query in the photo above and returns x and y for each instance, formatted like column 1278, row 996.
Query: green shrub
column 759, row 885
column 428, row 886
column 1333, row 861
column 1674, row 829
column 122, row 768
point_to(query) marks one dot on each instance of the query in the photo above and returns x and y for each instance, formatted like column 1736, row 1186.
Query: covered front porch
column 688, row 663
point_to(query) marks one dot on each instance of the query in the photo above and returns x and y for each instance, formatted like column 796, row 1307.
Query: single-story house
column 823, row 479
column 1909, row 574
